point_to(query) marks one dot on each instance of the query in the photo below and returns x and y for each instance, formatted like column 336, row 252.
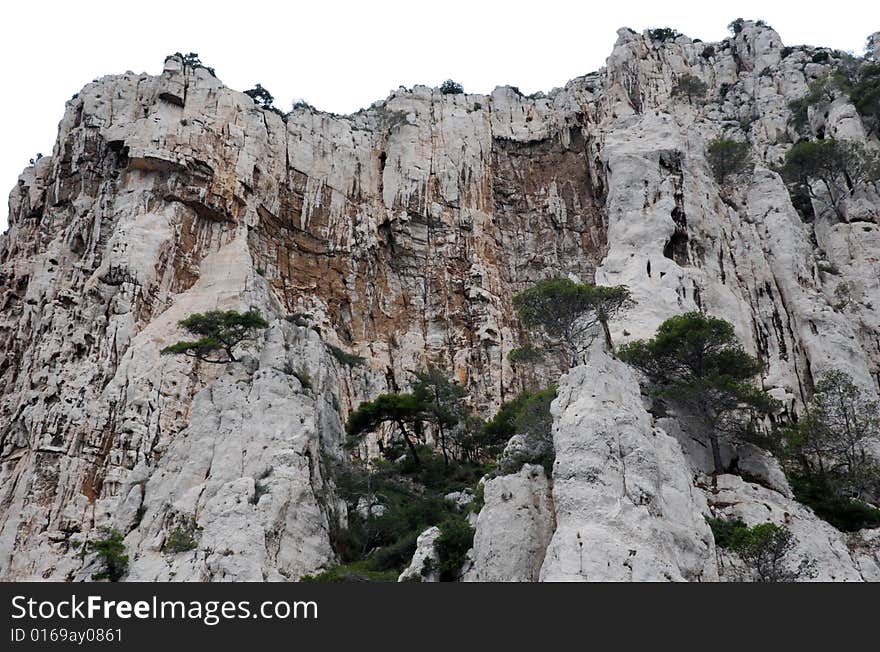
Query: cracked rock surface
column 399, row 234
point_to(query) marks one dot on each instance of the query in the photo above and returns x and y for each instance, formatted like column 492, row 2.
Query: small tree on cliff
column 443, row 402
column 865, row 95
column 830, row 447
column 689, row 86
column 568, row 310
column 405, row 411
column 220, row 332
column 766, row 550
column 111, row 552
column 697, row 362
column 841, row 166
column 435, row 399
column 450, row 87
column 260, row 96
column 728, row 158
column 192, row 60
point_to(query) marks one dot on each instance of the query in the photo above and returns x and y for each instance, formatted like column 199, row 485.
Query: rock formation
column 400, row 233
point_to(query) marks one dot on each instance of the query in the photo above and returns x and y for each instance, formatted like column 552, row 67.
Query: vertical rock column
column 626, row 508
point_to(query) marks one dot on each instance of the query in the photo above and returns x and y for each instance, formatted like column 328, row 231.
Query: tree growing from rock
column 261, row 96
column 524, row 355
column 568, row 311
column 450, row 87
column 765, row 550
column 831, row 444
column 696, row 362
column 663, row 34
column 192, row 60
column 820, row 92
column 865, row 95
column 443, row 402
column 689, row 86
column 434, row 400
column 728, row 158
column 532, row 424
column 841, row 167
column 405, row 411
column 111, row 552
column 219, row 333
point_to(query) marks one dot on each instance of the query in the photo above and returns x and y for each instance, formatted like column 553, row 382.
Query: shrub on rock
column 220, row 332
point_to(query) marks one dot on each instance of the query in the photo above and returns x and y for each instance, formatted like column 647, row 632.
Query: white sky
column 341, row 56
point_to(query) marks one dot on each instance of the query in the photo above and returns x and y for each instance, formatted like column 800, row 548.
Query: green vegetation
column 844, row 513
column 450, row 87
column 434, row 400
column 192, row 60
column 456, row 538
column 827, row 454
column 263, row 99
column 818, row 91
column 442, row 403
column 823, row 90
column 524, row 355
column 301, row 319
column 726, row 531
column 404, row 411
column 220, row 332
column 182, row 538
column 379, row 543
column 479, row 498
column 763, row 549
column 359, row 571
column 301, row 104
column 390, row 500
column 689, row 86
column 345, row 358
column 736, row 26
column 663, row 34
column 499, row 429
column 728, row 158
column 530, row 418
column 261, row 96
column 567, row 310
column 841, row 166
column 303, row 376
column 865, row 95
column 842, row 295
column 696, row 362
column 111, row 551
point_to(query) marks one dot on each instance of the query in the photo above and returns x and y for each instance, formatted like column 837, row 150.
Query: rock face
column 247, row 468
column 424, row 564
column 400, row 234
column 625, row 503
column 513, row 528
column 816, row 541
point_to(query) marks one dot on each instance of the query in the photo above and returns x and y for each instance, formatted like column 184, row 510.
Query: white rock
column 816, row 540
column 513, row 528
column 425, row 562
column 625, row 504
column 403, row 230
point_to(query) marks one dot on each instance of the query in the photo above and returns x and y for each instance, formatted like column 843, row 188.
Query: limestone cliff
column 400, row 233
